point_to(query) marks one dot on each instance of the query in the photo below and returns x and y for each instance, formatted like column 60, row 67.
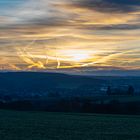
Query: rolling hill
column 17, row 82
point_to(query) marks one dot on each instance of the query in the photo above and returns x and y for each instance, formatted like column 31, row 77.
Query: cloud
column 44, row 34
column 116, row 6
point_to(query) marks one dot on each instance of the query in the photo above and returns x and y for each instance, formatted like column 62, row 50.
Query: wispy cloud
column 44, row 34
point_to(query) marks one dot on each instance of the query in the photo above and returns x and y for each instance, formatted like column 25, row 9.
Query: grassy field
column 16, row 125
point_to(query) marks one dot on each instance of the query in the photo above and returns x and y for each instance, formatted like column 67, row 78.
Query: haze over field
column 83, row 35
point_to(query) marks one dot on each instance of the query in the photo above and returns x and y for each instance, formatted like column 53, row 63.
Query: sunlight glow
column 76, row 55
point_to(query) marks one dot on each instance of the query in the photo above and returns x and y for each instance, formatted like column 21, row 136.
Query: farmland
column 16, row 125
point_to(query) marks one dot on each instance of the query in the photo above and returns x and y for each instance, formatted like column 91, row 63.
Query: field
column 16, row 125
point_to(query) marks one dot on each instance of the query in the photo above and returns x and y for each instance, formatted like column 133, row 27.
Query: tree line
column 56, row 103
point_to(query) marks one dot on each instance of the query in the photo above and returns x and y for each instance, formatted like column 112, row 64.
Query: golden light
column 76, row 55
column 58, row 57
column 80, row 57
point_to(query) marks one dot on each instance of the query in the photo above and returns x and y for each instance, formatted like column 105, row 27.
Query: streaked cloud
column 62, row 34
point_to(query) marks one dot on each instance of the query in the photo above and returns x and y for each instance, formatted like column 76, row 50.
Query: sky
column 70, row 35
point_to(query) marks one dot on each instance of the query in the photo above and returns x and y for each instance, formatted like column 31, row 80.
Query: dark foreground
column 16, row 125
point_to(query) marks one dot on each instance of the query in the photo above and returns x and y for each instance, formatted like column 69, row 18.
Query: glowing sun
column 76, row 55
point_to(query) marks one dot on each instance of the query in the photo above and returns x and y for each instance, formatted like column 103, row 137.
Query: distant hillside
column 32, row 81
column 29, row 82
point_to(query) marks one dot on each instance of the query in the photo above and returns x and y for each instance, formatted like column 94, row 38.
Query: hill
column 43, row 82
column 27, row 83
